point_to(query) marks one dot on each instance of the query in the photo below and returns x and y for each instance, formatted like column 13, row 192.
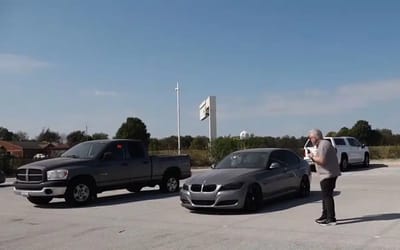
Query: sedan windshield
column 244, row 160
column 86, row 150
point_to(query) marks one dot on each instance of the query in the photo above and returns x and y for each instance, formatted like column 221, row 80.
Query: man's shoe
column 328, row 222
column 320, row 219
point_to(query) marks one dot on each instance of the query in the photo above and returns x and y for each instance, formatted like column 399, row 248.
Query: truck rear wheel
column 170, row 184
column 79, row 192
column 40, row 200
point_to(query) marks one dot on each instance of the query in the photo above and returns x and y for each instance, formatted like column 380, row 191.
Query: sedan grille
column 203, row 188
column 29, row 175
column 203, row 202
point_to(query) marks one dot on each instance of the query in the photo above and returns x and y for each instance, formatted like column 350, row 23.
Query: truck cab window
column 136, row 150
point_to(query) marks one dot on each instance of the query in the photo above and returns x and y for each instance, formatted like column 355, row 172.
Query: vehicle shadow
column 367, row 218
column 114, row 200
column 358, row 168
column 272, row 205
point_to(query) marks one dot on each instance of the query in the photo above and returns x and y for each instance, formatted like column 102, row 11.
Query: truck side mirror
column 363, row 146
column 213, row 165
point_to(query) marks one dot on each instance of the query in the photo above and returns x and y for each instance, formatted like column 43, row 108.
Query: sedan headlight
column 232, row 186
column 59, row 174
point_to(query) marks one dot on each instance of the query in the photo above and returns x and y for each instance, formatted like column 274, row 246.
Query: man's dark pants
column 328, row 204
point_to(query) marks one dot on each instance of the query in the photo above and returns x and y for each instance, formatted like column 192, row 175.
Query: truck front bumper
column 44, row 192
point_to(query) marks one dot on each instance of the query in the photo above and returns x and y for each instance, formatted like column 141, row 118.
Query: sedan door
column 273, row 178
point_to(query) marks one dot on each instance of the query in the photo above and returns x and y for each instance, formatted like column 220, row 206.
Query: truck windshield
column 86, row 150
column 244, row 160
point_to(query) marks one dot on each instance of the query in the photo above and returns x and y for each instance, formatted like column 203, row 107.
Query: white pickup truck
column 349, row 151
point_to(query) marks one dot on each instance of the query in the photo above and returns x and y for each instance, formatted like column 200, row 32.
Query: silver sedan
column 244, row 179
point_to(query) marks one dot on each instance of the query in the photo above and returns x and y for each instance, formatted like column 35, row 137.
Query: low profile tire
column 344, row 163
column 170, row 184
column 253, row 199
column 366, row 160
column 304, row 188
column 134, row 188
column 40, row 200
column 80, row 192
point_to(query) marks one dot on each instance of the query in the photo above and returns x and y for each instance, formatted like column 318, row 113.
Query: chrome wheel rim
column 172, row 184
column 81, row 192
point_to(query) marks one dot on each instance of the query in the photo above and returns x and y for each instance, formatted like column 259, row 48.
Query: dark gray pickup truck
column 96, row 166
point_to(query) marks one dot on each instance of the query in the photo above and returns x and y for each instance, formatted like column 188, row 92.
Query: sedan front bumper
column 227, row 199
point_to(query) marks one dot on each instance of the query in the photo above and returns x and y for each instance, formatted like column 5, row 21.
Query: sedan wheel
column 304, row 189
column 253, row 199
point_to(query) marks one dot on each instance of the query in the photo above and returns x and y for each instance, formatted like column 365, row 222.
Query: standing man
column 328, row 169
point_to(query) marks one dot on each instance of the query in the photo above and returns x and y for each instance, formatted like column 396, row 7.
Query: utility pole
column 178, row 114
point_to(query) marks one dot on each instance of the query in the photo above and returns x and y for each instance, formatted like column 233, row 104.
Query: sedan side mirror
column 363, row 146
column 213, row 165
column 274, row 165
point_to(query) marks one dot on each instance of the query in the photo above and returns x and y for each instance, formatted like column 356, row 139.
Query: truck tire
column 169, row 184
column 344, row 163
column 80, row 192
column 40, row 200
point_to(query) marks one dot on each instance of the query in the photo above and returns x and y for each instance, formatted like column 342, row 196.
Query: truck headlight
column 59, row 174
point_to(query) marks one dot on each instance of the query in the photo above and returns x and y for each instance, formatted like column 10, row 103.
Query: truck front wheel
column 40, row 200
column 79, row 192
column 170, row 184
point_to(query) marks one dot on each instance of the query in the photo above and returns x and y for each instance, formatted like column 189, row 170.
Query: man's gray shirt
column 331, row 167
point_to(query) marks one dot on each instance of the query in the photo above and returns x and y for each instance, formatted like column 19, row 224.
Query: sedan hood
column 221, row 176
column 56, row 163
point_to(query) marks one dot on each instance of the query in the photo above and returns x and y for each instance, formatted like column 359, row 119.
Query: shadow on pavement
column 273, row 205
column 367, row 218
column 357, row 168
column 115, row 199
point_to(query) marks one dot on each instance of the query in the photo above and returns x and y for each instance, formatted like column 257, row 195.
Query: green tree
column 21, row 136
column 76, row 137
column 331, row 134
column 186, row 141
column 361, row 130
column 99, row 136
column 48, row 136
column 199, row 143
column 6, row 135
column 223, row 146
column 133, row 128
column 343, row 132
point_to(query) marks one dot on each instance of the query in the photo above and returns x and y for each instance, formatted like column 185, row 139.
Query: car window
column 329, row 140
column 279, row 157
column 135, row 150
column 117, row 151
column 339, row 142
column 244, row 160
column 353, row 142
column 309, row 144
column 290, row 158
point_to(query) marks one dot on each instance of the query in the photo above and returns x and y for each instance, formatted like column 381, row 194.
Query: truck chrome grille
column 29, row 175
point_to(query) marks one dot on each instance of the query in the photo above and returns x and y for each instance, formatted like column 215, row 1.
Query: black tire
column 40, row 200
column 344, row 163
column 366, row 160
column 169, row 184
column 134, row 188
column 304, row 188
column 253, row 199
column 80, row 192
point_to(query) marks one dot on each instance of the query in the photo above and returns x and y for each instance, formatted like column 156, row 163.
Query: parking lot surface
column 367, row 206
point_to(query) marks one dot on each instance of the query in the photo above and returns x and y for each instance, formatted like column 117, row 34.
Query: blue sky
column 276, row 67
